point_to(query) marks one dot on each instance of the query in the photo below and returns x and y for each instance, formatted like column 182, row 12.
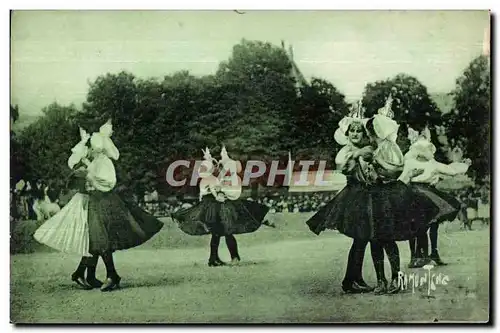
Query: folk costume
column 375, row 205
column 220, row 212
column 421, row 156
column 346, row 211
column 97, row 221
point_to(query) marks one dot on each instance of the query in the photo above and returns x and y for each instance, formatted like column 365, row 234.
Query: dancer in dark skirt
column 348, row 207
column 114, row 223
column 97, row 221
column 421, row 155
column 398, row 212
column 376, row 205
column 220, row 212
column 67, row 231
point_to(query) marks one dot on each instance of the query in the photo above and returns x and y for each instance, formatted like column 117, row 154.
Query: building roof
column 317, row 181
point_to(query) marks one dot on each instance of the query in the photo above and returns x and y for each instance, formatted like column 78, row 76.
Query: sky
column 55, row 54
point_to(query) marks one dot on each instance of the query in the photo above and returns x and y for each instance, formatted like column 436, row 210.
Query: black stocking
column 214, row 247
column 80, row 270
column 91, row 267
column 423, row 245
column 232, row 246
column 378, row 259
column 349, row 274
column 433, row 235
column 392, row 250
column 359, row 257
column 107, row 257
column 413, row 247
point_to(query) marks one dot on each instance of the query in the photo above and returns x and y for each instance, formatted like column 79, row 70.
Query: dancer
column 345, row 211
column 220, row 212
column 398, row 212
column 421, row 155
column 99, row 222
column 375, row 205
column 67, row 231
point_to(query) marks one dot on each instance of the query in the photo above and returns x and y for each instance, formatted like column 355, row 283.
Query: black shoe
column 435, row 257
column 80, row 280
column 235, row 260
column 381, row 287
column 394, row 287
column 111, row 283
column 421, row 262
column 351, row 288
column 269, row 224
column 413, row 263
column 94, row 282
column 364, row 286
column 216, row 263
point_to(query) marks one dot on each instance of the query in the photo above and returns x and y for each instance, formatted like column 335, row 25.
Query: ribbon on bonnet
column 384, row 126
column 80, row 150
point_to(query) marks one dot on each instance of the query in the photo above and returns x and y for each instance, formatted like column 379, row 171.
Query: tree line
column 254, row 105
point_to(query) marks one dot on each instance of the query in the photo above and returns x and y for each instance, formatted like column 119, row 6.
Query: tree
column 46, row 144
column 17, row 163
column 14, row 113
column 316, row 115
column 412, row 105
column 256, row 101
column 471, row 115
column 133, row 106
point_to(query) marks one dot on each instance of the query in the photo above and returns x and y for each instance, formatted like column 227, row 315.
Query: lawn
column 287, row 275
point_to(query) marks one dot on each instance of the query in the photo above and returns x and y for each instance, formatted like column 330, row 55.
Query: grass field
column 288, row 275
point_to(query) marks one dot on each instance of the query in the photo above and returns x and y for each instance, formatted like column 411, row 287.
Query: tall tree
column 46, row 144
column 258, row 99
column 470, row 119
column 318, row 110
column 17, row 163
column 412, row 105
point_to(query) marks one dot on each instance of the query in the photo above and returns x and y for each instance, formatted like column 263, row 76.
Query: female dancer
column 345, row 210
column 375, row 205
column 421, row 155
column 220, row 212
column 100, row 222
column 67, row 231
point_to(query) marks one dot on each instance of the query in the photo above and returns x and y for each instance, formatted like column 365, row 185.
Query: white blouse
column 101, row 173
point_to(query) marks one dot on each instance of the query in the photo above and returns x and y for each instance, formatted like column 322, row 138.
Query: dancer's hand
column 220, row 197
column 435, row 180
column 416, row 172
column 365, row 152
column 467, row 161
column 81, row 172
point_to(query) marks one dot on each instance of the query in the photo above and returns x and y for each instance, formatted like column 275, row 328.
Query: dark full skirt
column 210, row 216
column 390, row 211
column 448, row 206
column 116, row 224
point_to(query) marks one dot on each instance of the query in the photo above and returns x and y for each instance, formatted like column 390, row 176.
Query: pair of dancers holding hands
column 388, row 196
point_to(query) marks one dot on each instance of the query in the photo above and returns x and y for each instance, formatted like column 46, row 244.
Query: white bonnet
column 101, row 141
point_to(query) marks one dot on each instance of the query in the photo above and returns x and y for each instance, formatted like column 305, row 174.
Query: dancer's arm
column 407, row 176
column 346, row 158
column 451, row 169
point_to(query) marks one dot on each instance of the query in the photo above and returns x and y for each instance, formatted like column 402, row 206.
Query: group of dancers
column 388, row 197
